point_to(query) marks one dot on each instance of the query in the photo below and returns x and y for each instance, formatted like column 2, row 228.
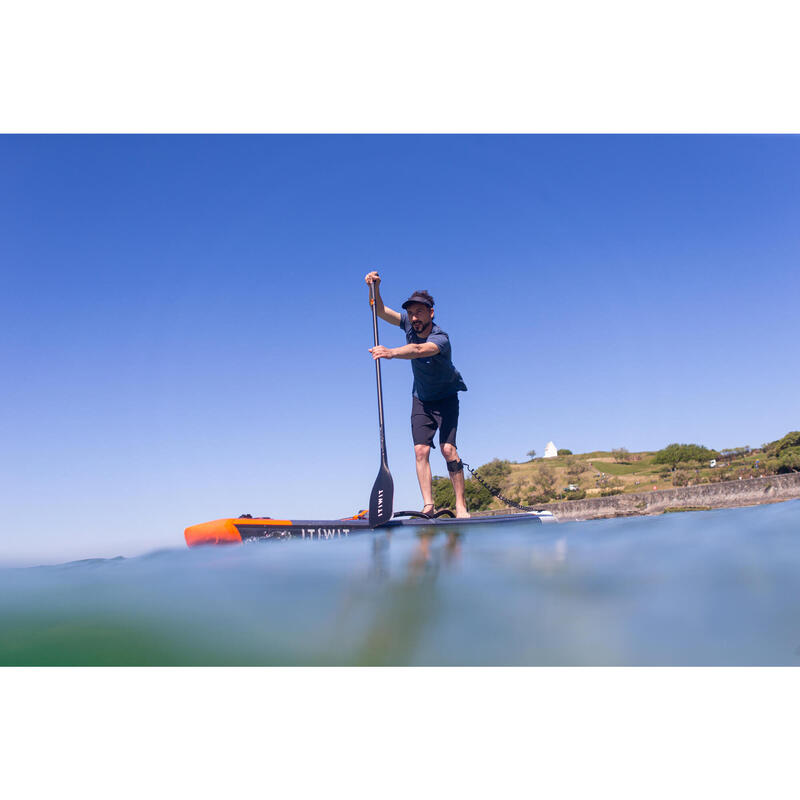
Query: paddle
column 380, row 501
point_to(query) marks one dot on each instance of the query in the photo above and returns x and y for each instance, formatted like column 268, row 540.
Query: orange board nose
column 220, row 531
column 225, row 531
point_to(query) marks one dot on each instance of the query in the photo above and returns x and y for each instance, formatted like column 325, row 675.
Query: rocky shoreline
column 727, row 494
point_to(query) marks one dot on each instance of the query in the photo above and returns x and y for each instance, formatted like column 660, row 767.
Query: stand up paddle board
column 247, row 528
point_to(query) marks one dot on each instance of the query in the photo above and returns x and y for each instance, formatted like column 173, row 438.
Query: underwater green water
column 698, row 588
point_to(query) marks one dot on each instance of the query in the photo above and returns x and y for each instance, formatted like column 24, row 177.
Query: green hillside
column 603, row 473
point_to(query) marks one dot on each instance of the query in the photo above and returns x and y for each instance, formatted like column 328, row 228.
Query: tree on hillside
column 792, row 439
column 621, row 454
column 476, row 495
column 731, row 453
column 562, row 451
column 478, row 498
column 576, row 467
column 495, row 471
column 674, row 454
column 545, row 480
column 443, row 494
column 531, row 454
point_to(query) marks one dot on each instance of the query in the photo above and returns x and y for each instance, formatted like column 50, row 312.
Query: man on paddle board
column 435, row 391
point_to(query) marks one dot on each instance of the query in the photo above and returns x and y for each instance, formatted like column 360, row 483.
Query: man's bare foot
column 462, row 513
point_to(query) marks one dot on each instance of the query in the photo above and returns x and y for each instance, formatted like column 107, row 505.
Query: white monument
column 550, row 451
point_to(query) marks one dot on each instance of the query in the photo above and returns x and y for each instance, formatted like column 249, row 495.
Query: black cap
column 417, row 298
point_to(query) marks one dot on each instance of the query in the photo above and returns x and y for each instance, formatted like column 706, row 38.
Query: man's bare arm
column 384, row 312
column 407, row 351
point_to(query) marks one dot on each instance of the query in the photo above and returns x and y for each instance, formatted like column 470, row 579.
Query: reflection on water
column 403, row 610
column 696, row 588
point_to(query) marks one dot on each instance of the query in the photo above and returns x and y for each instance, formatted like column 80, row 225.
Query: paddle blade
column 381, row 499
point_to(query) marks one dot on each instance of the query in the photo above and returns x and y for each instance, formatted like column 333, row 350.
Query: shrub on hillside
column 578, row 494
column 562, row 451
column 720, row 476
column 789, row 460
column 674, row 454
column 545, row 479
column 680, row 478
column 576, row 467
column 518, row 490
column 610, row 492
column 788, row 442
column 770, row 466
column 535, row 499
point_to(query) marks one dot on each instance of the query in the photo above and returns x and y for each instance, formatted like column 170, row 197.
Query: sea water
column 694, row 588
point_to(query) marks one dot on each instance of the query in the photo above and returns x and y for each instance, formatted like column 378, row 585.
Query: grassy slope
column 638, row 474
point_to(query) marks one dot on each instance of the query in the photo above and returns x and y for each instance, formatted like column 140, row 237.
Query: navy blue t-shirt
column 435, row 377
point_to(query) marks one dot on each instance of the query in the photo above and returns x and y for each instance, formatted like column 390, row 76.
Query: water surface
column 697, row 588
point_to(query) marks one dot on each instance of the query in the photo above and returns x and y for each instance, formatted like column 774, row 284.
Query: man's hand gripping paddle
column 382, row 497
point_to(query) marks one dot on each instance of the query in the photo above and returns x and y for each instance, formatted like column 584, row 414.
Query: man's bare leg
column 423, row 452
column 457, row 479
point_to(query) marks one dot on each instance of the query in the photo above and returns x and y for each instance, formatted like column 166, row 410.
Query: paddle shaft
column 384, row 459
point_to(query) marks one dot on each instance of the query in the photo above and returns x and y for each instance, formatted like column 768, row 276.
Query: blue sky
column 186, row 325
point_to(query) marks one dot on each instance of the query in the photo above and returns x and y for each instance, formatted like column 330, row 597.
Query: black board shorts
column 426, row 418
